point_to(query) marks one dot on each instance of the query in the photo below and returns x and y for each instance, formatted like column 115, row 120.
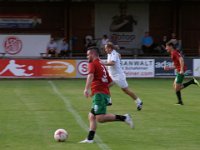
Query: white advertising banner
column 141, row 68
column 138, row 68
column 125, row 24
column 23, row 45
column 196, row 67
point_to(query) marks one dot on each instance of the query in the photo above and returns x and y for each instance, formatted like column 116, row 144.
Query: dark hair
column 93, row 48
column 171, row 44
column 105, row 36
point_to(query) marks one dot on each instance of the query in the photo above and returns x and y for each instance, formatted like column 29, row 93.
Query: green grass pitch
column 31, row 110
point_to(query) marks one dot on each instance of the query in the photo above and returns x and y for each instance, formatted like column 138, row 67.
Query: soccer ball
column 60, row 135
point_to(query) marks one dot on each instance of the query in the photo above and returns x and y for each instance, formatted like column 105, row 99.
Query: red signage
column 12, row 45
column 37, row 68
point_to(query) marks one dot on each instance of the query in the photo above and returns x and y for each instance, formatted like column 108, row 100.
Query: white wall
column 103, row 19
column 31, row 45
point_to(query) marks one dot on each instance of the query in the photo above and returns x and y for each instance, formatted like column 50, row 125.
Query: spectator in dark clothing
column 64, row 50
column 161, row 45
column 89, row 42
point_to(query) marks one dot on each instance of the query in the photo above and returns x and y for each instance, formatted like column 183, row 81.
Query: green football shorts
column 179, row 78
column 99, row 103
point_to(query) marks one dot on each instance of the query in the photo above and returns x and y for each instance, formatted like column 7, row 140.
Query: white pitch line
column 78, row 118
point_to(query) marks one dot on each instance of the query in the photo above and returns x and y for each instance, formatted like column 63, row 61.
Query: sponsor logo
column 143, row 63
column 83, row 68
column 12, row 45
column 18, row 70
column 163, row 64
column 125, row 38
column 60, row 65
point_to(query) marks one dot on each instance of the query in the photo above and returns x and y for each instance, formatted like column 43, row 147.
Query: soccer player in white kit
column 117, row 74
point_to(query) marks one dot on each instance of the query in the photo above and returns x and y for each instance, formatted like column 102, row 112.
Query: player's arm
column 109, row 63
column 181, row 65
column 89, row 80
column 116, row 26
column 113, row 59
column 166, row 68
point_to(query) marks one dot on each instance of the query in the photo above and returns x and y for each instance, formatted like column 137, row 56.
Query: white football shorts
column 121, row 82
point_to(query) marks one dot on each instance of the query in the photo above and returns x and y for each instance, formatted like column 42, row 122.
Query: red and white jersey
column 101, row 77
column 175, row 56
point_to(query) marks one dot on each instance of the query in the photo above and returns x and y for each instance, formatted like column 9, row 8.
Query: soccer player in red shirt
column 180, row 68
column 98, row 80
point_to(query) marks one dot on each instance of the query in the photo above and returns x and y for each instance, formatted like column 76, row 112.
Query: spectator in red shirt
column 180, row 68
column 98, row 80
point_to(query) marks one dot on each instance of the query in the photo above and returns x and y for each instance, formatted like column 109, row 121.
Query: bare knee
column 125, row 90
column 178, row 87
column 91, row 116
column 100, row 119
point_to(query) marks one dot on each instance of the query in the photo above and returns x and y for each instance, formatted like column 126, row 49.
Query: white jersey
column 116, row 70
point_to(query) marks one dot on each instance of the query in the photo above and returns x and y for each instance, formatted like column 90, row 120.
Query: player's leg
column 130, row 93
column 92, row 129
column 100, row 109
column 178, row 86
column 102, row 118
column 99, row 102
column 98, row 113
column 93, row 126
column 110, row 85
column 192, row 81
column 124, row 86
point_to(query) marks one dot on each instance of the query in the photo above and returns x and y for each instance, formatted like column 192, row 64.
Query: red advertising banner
column 57, row 68
column 37, row 68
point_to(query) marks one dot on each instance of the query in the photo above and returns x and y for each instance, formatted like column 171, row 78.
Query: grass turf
column 31, row 110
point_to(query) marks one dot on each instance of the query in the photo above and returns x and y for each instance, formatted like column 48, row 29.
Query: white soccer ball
column 60, row 135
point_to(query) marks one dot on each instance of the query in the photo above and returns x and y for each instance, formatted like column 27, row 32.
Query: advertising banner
column 138, row 68
column 37, row 68
column 131, row 67
column 18, row 68
column 23, row 45
column 196, row 67
column 82, row 68
column 189, row 64
column 57, row 68
column 125, row 24
column 19, row 21
column 161, row 62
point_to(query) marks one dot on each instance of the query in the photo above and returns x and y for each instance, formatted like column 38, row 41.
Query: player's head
column 12, row 62
column 170, row 47
column 92, row 53
column 109, row 47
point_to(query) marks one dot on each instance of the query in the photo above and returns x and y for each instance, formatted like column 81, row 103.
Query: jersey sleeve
column 91, row 68
column 113, row 57
column 109, row 79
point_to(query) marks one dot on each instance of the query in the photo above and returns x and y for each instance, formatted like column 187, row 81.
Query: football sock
column 188, row 83
column 178, row 94
column 120, row 118
column 138, row 101
column 110, row 101
column 91, row 135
